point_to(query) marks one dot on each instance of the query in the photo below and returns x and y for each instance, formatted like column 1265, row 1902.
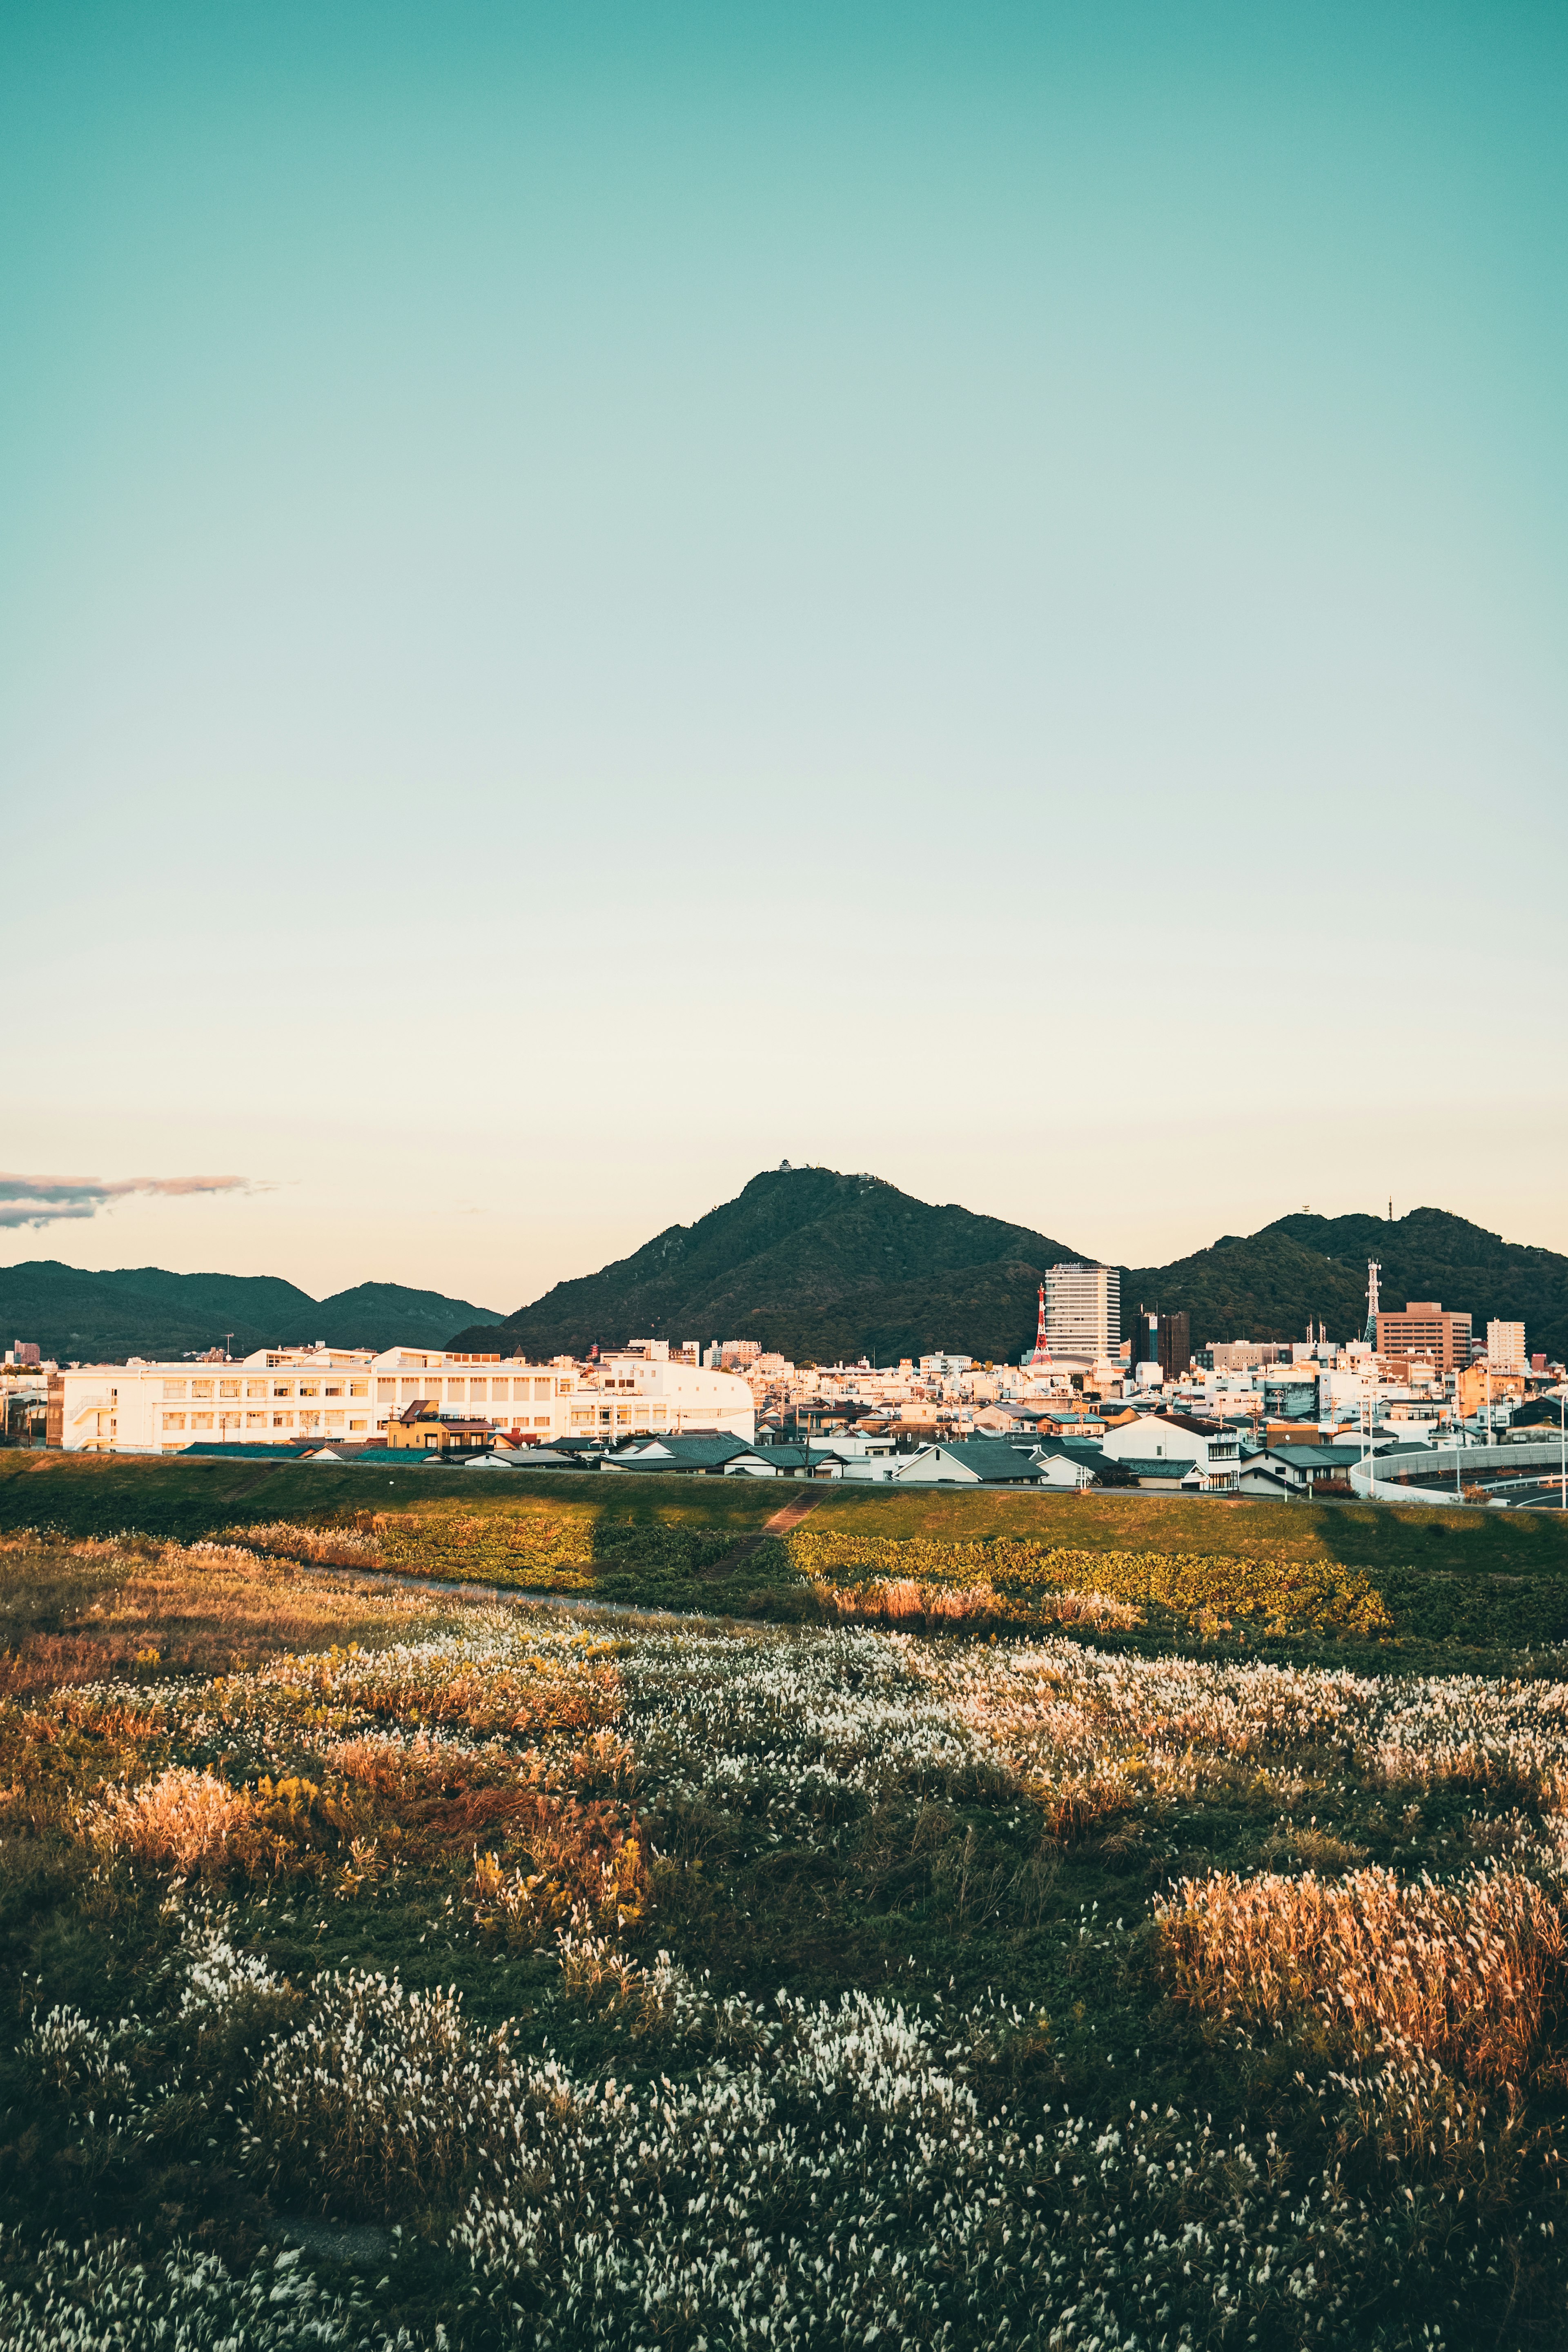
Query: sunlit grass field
column 971, row 1921
column 1443, row 1582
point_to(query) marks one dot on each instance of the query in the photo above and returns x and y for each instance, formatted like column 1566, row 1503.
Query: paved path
column 781, row 1524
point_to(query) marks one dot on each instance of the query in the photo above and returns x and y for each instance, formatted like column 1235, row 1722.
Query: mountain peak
column 816, row 1264
column 822, row 1265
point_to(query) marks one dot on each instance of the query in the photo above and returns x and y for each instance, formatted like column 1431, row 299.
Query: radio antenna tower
column 1042, row 1354
column 1372, row 1270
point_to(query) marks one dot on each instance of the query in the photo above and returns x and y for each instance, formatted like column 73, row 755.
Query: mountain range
column 824, row 1267
column 85, row 1317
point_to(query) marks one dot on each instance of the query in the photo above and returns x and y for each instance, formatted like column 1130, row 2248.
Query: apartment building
column 1423, row 1329
column 1505, row 1348
column 1083, row 1312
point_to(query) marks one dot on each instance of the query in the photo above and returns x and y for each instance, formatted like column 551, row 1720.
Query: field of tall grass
column 957, row 1966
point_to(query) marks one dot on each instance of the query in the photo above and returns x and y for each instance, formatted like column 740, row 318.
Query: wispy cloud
column 50, row 1199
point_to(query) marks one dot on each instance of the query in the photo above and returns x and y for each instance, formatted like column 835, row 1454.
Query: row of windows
column 472, row 1392
column 177, row 1391
column 228, row 1421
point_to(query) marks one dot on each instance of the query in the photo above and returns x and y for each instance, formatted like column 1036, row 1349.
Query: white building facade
column 291, row 1396
column 1505, row 1348
column 644, row 1388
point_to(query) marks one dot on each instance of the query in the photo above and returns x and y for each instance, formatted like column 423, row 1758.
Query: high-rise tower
column 1083, row 1311
column 1042, row 1355
column 1372, row 1270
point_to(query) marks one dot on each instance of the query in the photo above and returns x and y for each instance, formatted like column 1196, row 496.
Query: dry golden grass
column 183, row 1818
column 919, row 1605
column 1030, row 1575
column 1461, row 1973
column 907, row 1601
column 82, row 1612
column 336, row 1547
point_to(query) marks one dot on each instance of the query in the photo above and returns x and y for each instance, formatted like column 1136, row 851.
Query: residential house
column 822, row 1462
column 972, row 1461
column 1306, row 1467
column 703, row 1457
column 422, row 1427
column 1160, row 1476
column 1210, row 1447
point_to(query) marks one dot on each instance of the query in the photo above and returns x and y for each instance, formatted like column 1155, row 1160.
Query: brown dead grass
column 907, row 1601
column 1464, row 1973
column 919, row 1605
column 335, row 1547
column 76, row 1612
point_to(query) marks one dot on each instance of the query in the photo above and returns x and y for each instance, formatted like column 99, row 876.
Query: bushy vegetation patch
column 1287, row 1594
column 502, row 1976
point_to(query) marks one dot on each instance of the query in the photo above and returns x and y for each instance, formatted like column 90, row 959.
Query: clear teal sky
column 593, row 597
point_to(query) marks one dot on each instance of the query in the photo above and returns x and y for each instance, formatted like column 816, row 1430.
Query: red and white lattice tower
column 1042, row 1354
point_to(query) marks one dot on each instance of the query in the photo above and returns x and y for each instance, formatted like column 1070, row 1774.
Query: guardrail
column 1369, row 1479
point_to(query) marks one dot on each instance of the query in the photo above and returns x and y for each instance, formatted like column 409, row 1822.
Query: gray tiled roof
column 992, row 1458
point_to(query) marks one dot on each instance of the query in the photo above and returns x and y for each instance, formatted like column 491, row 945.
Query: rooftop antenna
column 228, row 1345
column 1372, row 1270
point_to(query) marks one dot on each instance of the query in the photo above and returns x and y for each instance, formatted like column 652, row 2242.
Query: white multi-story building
column 643, row 1387
column 1083, row 1312
column 288, row 1396
column 284, row 1396
column 1505, row 1348
column 1179, row 1437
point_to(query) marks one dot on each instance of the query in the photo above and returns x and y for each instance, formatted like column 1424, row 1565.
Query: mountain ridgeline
column 812, row 1264
column 78, row 1316
column 1268, row 1285
column 824, row 1267
column 820, row 1267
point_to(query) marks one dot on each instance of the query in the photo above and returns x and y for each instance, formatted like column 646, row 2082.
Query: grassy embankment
column 1434, row 1584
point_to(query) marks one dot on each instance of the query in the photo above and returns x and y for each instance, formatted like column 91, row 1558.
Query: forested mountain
column 820, row 1266
column 814, row 1263
column 1268, row 1286
column 144, row 1311
column 823, row 1267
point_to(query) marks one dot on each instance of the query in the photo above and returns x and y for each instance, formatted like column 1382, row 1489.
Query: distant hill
column 1266, row 1286
column 145, row 1311
column 823, row 1266
column 813, row 1263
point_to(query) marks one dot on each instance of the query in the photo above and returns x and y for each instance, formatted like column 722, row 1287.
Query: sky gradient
column 592, row 598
